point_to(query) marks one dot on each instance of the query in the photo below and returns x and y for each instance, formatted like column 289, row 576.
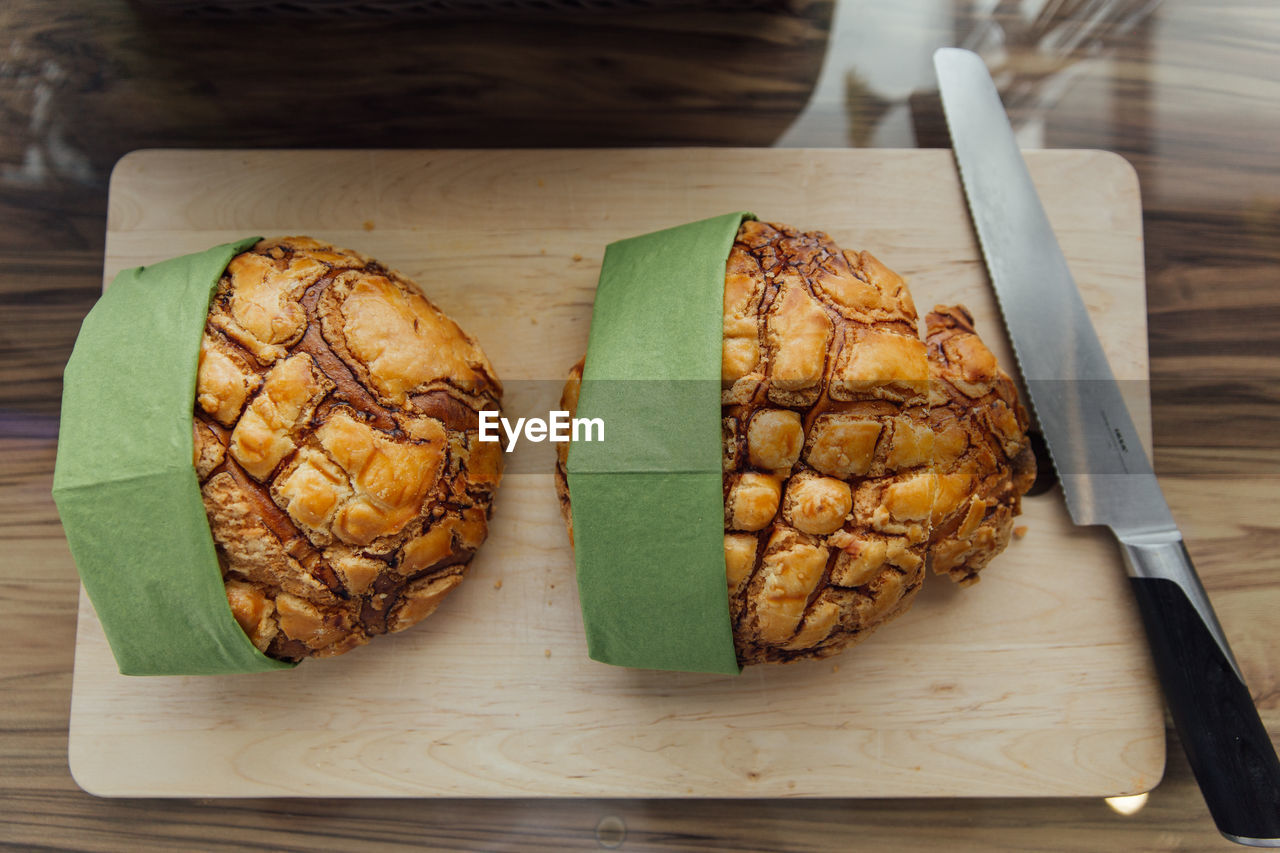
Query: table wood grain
column 1185, row 92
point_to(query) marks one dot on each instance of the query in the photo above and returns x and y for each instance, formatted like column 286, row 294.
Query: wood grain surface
column 1183, row 90
column 1036, row 682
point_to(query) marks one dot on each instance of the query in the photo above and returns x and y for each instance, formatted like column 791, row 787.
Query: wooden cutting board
column 1035, row 682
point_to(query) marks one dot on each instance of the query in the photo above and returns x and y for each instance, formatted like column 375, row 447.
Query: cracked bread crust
column 983, row 457
column 336, row 443
column 825, row 410
column 830, row 430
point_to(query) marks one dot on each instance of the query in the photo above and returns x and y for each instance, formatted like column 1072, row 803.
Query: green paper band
column 125, row 483
column 648, row 505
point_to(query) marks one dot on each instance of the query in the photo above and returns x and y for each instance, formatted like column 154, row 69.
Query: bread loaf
column 852, row 458
column 336, row 445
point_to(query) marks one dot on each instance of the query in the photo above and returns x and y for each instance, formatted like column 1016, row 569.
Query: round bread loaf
column 831, row 436
column 336, row 445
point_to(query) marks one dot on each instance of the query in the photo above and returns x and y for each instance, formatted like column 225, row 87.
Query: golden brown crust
column 853, row 454
column 336, row 445
column 838, row 350
column 827, row 472
column 983, row 457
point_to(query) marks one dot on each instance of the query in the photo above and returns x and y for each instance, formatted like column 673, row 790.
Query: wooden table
column 1185, row 93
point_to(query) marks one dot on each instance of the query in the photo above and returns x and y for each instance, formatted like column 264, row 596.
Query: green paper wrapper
column 125, row 484
column 648, row 506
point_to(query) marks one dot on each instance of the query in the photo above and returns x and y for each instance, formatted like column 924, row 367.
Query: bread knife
column 1105, row 474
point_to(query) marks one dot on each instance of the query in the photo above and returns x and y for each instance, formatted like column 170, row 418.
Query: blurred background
column 1185, row 90
column 1188, row 92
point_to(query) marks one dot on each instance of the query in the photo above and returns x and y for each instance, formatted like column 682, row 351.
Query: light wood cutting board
column 1034, row 682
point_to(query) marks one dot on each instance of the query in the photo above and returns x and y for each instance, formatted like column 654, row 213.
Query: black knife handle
column 1226, row 744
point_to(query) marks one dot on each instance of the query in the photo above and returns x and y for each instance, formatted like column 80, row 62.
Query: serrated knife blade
column 1105, row 474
